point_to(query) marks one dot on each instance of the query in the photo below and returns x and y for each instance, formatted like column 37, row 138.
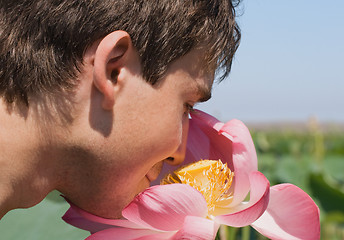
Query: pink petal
column 244, row 158
column 205, row 141
column 209, row 138
column 87, row 221
column 246, row 213
column 130, row 234
column 230, row 142
column 197, row 228
column 291, row 214
column 207, row 119
column 165, row 207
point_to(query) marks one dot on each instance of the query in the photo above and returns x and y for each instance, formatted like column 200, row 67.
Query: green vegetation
column 42, row 222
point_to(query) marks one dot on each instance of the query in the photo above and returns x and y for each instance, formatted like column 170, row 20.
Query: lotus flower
column 180, row 211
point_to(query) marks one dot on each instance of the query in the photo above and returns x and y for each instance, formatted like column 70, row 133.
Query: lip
column 154, row 172
column 150, row 177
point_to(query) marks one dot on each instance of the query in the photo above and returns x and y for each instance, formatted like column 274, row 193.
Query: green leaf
column 335, row 217
column 330, row 197
column 295, row 171
column 334, row 167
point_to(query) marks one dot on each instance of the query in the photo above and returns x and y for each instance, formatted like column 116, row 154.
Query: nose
column 178, row 157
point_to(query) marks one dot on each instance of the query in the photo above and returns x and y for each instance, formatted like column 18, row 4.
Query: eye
column 188, row 108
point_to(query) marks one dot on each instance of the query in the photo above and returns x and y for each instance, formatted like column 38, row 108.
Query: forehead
column 194, row 74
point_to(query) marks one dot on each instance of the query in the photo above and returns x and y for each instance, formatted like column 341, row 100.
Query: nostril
column 174, row 161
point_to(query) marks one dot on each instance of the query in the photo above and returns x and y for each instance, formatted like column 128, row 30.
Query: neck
column 28, row 172
column 24, row 184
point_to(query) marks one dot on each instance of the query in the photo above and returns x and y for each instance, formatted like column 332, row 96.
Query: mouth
column 154, row 172
column 151, row 177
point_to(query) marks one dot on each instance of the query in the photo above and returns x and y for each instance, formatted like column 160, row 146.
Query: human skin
column 122, row 129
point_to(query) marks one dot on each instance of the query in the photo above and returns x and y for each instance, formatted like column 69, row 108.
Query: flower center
column 210, row 177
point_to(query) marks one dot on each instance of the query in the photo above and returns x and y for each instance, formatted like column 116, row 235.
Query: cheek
column 167, row 136
column 151, row 129
column 149, row 140
column 165, row 124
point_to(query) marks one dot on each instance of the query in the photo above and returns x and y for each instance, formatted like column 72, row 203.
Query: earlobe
column 110, row 57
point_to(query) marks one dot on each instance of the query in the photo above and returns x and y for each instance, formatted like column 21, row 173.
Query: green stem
column 231, row 233
column 246, row 233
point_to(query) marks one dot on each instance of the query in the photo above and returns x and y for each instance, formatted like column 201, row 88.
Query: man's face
column 150, row 125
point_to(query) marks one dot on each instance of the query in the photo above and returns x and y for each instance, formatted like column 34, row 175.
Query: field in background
column 42, row 222
column 309, row 156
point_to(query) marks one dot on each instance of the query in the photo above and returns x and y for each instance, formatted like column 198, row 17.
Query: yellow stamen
column 210, row 177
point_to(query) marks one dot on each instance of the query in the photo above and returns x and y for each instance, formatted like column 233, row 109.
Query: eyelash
column 189, row 108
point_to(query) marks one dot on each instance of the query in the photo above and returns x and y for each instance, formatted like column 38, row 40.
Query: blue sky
column 289, row 65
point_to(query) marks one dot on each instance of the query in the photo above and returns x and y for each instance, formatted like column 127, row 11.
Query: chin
column 153, row 174
column 145, row 183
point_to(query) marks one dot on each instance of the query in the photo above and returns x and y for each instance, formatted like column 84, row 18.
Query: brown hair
column 43, row 41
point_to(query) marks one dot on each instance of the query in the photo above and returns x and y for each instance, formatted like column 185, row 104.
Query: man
column 95, row 95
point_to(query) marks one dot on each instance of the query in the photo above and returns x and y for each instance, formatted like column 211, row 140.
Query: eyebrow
column 204, row 92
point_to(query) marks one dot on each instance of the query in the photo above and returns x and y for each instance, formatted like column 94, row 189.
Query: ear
column 110, row 57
